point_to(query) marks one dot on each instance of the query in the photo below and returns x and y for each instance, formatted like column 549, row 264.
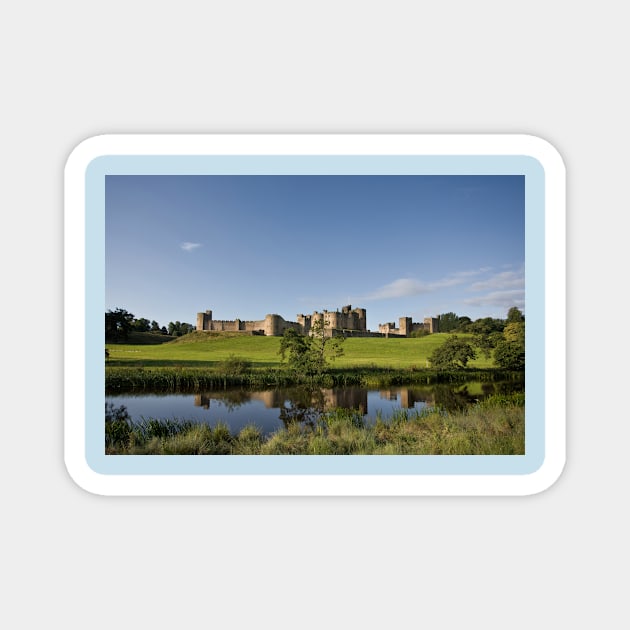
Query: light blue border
column 316, row 464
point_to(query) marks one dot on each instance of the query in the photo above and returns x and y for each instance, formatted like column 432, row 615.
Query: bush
column 453, row 353
column 233, row 366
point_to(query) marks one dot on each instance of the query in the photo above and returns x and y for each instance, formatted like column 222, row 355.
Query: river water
column 274, row 409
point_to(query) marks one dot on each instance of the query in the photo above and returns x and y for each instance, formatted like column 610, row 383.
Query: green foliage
column 309, row 355
column 486, row 343
column 485, row 326
column 178, row 329
column 141, row 325
column 420, row 332
column 453, row 353
column 447, row 322
column 118, row 324
column 509, row 353
column 234, row 365
column 515, row 316
column 118, row 426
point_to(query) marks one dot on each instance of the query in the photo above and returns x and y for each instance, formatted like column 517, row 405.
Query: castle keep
column 348, row 322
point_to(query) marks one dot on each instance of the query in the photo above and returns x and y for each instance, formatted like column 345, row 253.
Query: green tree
column 515, row 316
column 178, row 329
column 487, row 342
column 141, row 325
column 309, row 355
column 118, row 324
column 294, row 349
column 453, row 353
column 447, row 322
column 509, row 353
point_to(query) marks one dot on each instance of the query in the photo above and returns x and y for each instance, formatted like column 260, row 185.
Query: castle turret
column 204, row 321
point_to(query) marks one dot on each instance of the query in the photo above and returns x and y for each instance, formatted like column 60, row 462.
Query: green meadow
column 202, row 349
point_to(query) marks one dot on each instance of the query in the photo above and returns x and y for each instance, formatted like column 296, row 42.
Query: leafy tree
column 485, row 326
column 515, row 316
column 509, row 356
column 155, row 327
column 324, row 347
column 509, row 353
column 309, row 354
column 463, row 322
column 177, row 329
column 515, row 333
column 141, row 325
column 486, row 343
column 294, row 349
column 447, row 322
column 453, row 353
column 118, row 324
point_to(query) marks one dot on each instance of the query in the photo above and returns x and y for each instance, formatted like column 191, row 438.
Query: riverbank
column 495, row 426
column 191, row 379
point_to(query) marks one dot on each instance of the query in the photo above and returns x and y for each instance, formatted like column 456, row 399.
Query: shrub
column 233, row 366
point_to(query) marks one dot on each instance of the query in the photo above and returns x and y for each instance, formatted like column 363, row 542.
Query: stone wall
column 347, row 321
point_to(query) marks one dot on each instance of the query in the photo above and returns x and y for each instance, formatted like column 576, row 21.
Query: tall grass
column 186, row 379
column 495, row 426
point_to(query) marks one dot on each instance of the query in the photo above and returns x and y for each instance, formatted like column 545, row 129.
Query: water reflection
column 274, row 409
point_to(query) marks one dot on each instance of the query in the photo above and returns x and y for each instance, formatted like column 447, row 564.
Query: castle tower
column 405, row 326
column 204, row 321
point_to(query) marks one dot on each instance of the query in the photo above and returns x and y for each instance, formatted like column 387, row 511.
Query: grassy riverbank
column 191, row 379
column 495, row 426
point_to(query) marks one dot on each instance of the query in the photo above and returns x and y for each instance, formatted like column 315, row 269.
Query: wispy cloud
column 502, row 299
column 503, row 281
column 402, row 287
column 189, row 247
column 406, row 287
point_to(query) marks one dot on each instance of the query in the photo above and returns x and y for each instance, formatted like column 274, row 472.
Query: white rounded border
column 315, row 144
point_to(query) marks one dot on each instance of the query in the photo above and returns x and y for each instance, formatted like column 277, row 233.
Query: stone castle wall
column 347, row 321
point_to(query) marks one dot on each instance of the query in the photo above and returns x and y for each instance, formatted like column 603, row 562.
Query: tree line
column 119, row 323
column 503, row 339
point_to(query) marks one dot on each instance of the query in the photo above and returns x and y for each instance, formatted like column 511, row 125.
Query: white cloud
column 402, row 287
column 503, row 299
column 503, row 281
column 189, row 247
column 406, row 287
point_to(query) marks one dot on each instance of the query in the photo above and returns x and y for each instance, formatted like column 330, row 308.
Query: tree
column 294, row 349
column 141, row 324
column 155, row 327
column 453, row 353
column 447, row 322
column 309, row 354
column 515, row 316
column 178, row 329
column 118, row 324
column 509, row 353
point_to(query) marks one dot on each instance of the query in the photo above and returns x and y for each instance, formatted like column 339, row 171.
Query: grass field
column 206, row 350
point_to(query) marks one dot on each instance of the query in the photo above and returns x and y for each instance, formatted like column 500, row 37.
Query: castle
column 348, row 322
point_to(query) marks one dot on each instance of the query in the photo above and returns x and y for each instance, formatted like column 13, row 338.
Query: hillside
column 204, row 349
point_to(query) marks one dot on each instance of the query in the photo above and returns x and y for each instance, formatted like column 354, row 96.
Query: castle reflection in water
column 323, row 399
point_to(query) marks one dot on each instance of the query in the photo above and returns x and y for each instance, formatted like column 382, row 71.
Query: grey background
column 71, row 70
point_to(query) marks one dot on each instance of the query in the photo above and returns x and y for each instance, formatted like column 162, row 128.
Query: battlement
column 348, row 319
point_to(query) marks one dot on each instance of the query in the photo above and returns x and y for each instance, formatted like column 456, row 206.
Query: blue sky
column 245, row 246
